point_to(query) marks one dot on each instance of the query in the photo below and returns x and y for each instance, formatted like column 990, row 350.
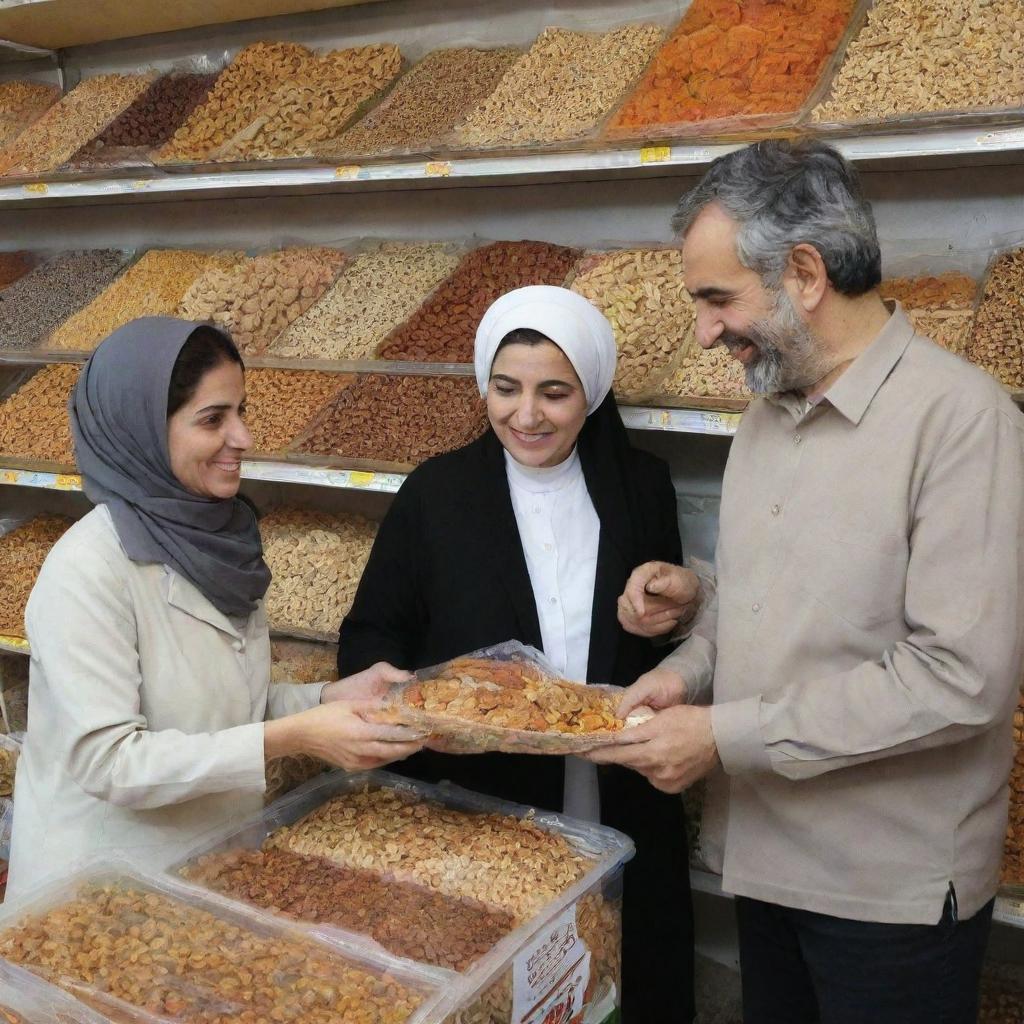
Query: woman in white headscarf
column 530, row 533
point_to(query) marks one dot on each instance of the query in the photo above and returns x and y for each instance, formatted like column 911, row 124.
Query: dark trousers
column 804, row 968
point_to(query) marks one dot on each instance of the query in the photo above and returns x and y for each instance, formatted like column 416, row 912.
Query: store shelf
column 953, row 147
column 54, row 24
column 14, row 645
column 682, row 421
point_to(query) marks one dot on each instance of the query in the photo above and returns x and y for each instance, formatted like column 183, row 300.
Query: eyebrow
column 214, row 408
column 711, row 293
column 543, row 384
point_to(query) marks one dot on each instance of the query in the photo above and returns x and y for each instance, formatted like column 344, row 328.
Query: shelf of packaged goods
column 950, row 146
column 682, row 421
column 55, row 24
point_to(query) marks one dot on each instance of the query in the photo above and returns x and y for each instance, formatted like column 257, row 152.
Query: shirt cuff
column 290, row 698
column 694, row 661
column 736, row 725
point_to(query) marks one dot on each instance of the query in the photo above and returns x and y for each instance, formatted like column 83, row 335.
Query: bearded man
column 862, row 657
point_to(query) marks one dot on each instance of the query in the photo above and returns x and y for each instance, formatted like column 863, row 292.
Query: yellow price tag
column 140, row 183
column 18, row 642
column 361, row 479
column 10, row 476
column 347, row 173
column 438, row 169
column 67, row 482
column 655, row 154
column 38, row 188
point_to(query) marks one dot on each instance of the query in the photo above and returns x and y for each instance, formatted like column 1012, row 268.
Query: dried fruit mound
column 154, row 286
column 711, row 373
column 395, row 418
column 997, row 341
column 258, row 298
column 14, row 266
column 71, row 123
column 163, row 956
column 8, row 767
column 940, row 308
column 150, row 121
column 317, row 559
column 512, row 695
column 42, row 300
column 643, row 294
column 727, row 59
column 924, row 56
column 22, row 552
column 34, row 420
column 378, row 290
column 281, row 403
column 1013, row 848
column 561, row 88
column 408, row 920
column 443, row 329
column 426, row 104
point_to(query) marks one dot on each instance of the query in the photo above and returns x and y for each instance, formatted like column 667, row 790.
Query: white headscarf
column 579, row 329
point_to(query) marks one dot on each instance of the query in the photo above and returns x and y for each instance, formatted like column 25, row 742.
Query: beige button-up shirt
column 146, row 710
column 864, row 652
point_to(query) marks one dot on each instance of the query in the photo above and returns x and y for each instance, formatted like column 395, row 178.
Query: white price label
column 550, row 976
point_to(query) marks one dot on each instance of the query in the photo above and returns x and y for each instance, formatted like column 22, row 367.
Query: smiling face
column 761, row 328
column 535, row 403
column 207, row 436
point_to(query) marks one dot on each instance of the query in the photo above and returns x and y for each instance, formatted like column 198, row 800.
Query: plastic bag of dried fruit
column 508, row 698
column 26, row 999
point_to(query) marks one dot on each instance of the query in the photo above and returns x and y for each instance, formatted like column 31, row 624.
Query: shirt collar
column 542, row 479
column 853, row 392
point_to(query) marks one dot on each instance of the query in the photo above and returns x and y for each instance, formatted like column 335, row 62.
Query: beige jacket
column 146, row 709
column 865, row 649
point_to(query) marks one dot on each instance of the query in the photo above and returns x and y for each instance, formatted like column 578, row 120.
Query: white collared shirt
column 560, row 531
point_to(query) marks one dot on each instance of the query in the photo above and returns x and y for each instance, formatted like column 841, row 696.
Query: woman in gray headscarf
column 151, row 714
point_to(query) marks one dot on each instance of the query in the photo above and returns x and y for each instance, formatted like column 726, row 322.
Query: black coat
column 447, row 575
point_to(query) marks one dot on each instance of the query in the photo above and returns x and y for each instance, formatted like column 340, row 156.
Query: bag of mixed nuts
column 508, row 698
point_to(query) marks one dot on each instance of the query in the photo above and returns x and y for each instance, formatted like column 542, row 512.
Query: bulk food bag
column 26, row 999
column 508, row 698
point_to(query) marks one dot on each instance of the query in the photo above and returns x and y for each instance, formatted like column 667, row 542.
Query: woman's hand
column 342, row 733
column 374, row 681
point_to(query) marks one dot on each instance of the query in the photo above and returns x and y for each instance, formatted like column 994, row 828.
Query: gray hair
column 783, row 194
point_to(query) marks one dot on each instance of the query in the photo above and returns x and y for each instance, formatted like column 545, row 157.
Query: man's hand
column 658, row 597
column 658, row 689
column 374, row 681
column 672, row 750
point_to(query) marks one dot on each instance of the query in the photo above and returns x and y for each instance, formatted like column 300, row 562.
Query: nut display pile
column 1013, row 849
column 442, row 330
column 8, row 766
column 20, row 104
column 707, row 374
column 300, row 661
column 500, row 860
column 289, row 772
column 45, row 297
column 258, row 298
column 1001, row 996
column 14, row 266
column 282, row 402
column 316, row 559
column 409, row 920
column 997, row 340
column 923, row 56
column 513, row 695
column 154, row 286
column 150, row 121
column 727, row 59
column 428, row 102
column 240, row 95
column 305, row 114
column 400, row 419
column 378, row 291
column 163, row 956
column 34, row 420
column 22, row 553
column 643, row 294
column 561, row 88
column 68, row 125
column 941, row 308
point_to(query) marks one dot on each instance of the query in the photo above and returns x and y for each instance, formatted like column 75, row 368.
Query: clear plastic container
column 585, row 913
column 146, row 949
column 26, row 999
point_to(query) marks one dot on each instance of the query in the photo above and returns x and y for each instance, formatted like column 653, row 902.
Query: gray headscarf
column 119, row 421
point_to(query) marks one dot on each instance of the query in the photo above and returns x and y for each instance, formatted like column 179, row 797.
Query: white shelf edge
column 970, row 142
column 683, row 421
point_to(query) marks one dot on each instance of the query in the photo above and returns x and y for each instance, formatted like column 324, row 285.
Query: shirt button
column 239, row 645
column 553, row 600
column 536, row 508
column 547, row 547
column 776, row 510
column 797, row 439
column 755, row 607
